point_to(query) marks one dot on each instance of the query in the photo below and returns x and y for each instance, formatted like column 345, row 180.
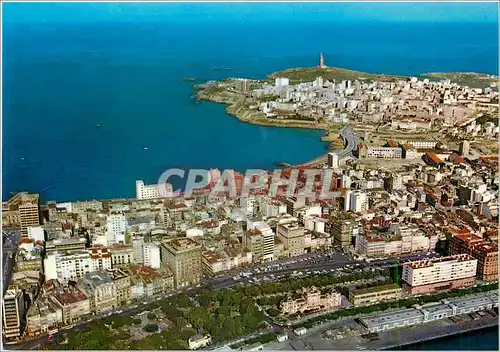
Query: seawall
column 435, row 336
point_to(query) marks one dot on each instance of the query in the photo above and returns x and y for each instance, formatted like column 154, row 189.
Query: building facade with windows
column 434, row 275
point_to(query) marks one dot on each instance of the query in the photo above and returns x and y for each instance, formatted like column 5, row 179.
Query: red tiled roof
column 434, row 157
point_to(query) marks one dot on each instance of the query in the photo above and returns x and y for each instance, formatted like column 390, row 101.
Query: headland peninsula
column 376, row 105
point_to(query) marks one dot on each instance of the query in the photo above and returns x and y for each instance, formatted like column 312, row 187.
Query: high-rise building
column 36, row 233
column 347, row 200
column 116, row 227
column 318, row 82
column 100, row 258
column 464, row 148
column 358, row 202
column 281, row 82
column 138, row 249
column 341, row 230
column 241, row 84
column 434, row 275
column 183, row 257
column 394, row 183
column 152, row 255
column 249, row 205
column 333, row 160
column 294, row 203
column 13, row 309
column 143, row 191
column 259, row 239
column 27, row 206
column 293, row 238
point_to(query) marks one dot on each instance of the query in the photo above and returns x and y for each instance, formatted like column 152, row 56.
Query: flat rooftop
column 68, row 296
column 475, row 301
column 392, row 317
column 66, row 241
column 211, row 256
column 438, row 309
column 432, row 262
column 98, row 278
column 182, row 244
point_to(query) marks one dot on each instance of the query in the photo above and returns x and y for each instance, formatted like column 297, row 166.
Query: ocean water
column 480, row 340
column 62, row 79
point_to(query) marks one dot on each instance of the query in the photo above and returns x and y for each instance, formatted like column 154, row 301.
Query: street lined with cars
column 314, row 264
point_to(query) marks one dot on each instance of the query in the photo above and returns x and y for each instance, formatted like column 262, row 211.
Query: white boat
column 145, row 148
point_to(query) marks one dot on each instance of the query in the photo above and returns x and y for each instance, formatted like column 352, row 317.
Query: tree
column 151, row 328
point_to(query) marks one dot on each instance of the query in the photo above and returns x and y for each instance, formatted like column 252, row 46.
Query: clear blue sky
column 175, row 12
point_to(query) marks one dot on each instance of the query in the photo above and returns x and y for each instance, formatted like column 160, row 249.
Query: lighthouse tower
column 321, row 61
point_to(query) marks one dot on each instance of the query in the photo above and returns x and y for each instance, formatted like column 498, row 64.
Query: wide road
column 11, row 240
column 349, row 137
column 321, row 261
column 347, row 133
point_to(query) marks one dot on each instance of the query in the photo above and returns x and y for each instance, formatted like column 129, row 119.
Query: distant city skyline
column 320, row 12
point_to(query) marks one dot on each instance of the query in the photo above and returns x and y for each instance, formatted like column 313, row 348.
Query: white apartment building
column 333, row 160
column 400, row 240
column 143, row 191
column 314, row 223
column 395, row 183
column 384, row 153
column 249, row 205
column 152, row 255
column 116, row 227
column 36, row 233
column 347, row 200
column 376, row 246
column 422, row 144
column 281, row 82
column 427, row 276
column 65, row 266
column 358, row 201
column 267, row 237
column 215, row 262
column 270, row 207
column 194, row 232
column 100, row 259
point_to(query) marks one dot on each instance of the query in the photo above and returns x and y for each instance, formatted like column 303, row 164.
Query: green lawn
column 337, row 74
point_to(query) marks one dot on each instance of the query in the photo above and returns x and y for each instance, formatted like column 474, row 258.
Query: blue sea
column 65, row 74
column 480, row 340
